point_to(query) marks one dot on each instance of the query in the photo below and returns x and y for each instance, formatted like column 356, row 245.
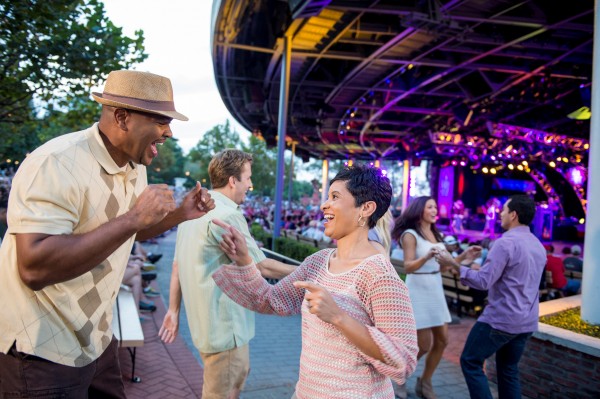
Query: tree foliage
column 218, row 138
column 301, row 189
column 168, row 165
column 264, row 165
column 51, row 54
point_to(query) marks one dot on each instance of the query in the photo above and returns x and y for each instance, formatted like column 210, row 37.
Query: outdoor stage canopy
column 472, row 82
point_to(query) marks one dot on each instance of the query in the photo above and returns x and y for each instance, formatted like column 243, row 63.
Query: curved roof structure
column 460, row 79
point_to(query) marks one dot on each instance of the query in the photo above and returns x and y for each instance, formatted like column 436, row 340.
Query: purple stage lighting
column 576, row 175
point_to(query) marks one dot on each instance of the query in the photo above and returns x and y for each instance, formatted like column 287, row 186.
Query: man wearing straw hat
column 77, row 204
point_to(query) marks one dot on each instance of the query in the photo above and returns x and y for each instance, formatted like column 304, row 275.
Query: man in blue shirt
column 511, row 274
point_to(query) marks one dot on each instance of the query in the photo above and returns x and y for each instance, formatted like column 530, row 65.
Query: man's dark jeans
column 28, row 376
column 483, row 342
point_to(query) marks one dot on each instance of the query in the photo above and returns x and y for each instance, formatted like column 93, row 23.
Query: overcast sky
column 177, row 41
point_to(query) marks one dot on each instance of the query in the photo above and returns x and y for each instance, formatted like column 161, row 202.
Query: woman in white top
column 421, row 241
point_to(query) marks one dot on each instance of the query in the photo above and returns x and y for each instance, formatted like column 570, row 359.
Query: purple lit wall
column 445, row 191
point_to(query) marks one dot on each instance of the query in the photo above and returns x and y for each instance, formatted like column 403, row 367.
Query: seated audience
column 574, row 262
column 452, row 246
column 133, row 279
column 312, row 229
column 555, row 265
column 139, row 252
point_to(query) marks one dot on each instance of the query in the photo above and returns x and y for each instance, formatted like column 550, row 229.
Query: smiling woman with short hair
column 358, row 328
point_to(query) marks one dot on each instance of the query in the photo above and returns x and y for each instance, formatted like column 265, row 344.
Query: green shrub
column 261, row 235
column 570, row 319
column 284, row 246
column 294, row 249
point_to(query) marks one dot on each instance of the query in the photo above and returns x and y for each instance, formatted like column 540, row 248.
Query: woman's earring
column 363, row 223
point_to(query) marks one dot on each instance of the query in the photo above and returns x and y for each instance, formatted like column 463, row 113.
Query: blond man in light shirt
column 220, row 328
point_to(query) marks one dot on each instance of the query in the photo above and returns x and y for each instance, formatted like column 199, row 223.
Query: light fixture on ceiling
column 581, row 114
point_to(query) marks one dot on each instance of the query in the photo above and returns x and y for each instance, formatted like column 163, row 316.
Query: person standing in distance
column 220, row 328
column 416, row 232
column 511, row 274
column 77, row 204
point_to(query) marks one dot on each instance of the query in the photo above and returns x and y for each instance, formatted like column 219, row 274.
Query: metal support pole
column 590, row 290
column 406, row 184
column 291, row 186
column 325, row 181
column 284, row 91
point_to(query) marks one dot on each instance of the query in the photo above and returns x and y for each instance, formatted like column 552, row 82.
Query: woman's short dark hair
column 524, row 206
column 411, row 219
column 367, row 183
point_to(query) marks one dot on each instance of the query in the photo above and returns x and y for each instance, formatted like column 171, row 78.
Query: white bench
column 126, row 326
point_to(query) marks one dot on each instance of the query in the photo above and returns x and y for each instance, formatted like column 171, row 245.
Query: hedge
column 284, row 246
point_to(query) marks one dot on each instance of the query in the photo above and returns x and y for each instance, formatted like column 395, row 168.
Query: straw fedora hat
column 139, row 91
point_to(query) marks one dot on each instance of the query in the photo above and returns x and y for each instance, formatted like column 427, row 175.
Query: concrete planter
column 558, row 363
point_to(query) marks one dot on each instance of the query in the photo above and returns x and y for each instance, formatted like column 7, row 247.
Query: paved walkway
column 175, row 371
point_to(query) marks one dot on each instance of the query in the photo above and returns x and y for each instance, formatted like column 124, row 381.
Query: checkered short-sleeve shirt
column 70, row 185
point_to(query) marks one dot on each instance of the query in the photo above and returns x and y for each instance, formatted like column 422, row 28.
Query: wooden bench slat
column 129, row 319
column 454, row 295
column 454, row 289
column 572, row 274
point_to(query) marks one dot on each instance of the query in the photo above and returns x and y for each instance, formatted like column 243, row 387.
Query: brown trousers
column 225, row 372
column 27, row 376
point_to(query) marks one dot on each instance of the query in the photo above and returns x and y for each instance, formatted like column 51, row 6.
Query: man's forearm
column 175, row 289
column 49, row 259
column 453, row 264
column 169, row 221
column 459, row 258
column 270, row 268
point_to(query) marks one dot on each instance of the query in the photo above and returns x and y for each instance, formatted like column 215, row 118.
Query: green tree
column 315, row 167
column 264, row 164
column 218, row 138
column 300, row 189
column 168, row 165
column 264, row 169
column 51, row 54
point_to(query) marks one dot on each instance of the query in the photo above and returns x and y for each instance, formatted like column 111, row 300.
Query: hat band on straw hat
column 139, row 91
column 136, row 102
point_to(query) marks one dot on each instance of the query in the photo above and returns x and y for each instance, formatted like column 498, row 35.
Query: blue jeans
column 572, row 287
column 483, row 342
